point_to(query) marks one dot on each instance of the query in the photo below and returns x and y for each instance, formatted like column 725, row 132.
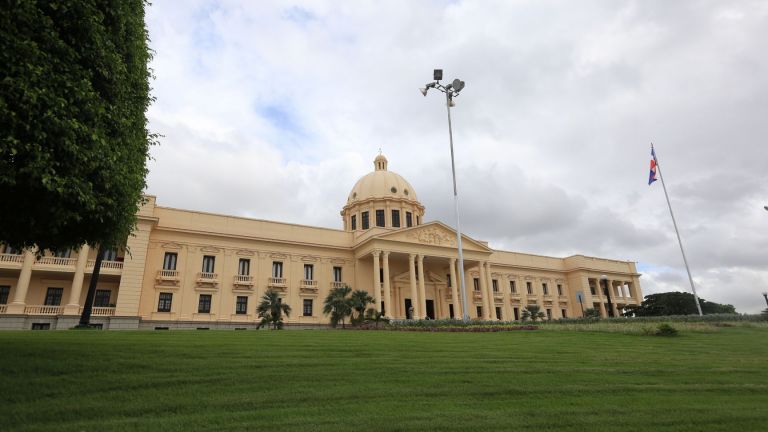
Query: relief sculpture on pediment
column 433, row 236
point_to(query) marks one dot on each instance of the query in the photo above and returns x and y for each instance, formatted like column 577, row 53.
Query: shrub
column 666, row 330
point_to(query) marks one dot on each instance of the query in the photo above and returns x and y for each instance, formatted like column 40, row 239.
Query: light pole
column 607, row 292
column 452, row 90
column 765, row 295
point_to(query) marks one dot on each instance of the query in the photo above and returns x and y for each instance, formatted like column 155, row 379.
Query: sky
column 272, row 110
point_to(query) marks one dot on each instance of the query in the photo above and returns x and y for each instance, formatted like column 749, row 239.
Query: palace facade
column 189, row 269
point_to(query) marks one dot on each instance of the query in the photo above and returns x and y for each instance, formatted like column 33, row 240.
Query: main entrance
column 431, row 309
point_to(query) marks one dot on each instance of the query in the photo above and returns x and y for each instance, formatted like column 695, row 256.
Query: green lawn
column 395, row 381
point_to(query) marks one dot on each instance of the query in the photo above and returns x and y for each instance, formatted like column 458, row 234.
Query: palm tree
column 533, row 312
column 359, row 301
column 271, row 310
column 338, row 305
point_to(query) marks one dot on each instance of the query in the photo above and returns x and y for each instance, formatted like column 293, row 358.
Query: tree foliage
column 592, row 313
column 359, row 301
column 338, row 305
column 271, row 310
column 676, row 303
column 532, row 312
column 74, row 91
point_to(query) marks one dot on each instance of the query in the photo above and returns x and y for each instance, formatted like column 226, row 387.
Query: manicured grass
column 396, row 381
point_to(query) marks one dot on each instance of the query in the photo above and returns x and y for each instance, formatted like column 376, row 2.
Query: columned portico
column 422, row 291
column 388, row 311
column 457, row 312
column 414, row 293
column 376, row 281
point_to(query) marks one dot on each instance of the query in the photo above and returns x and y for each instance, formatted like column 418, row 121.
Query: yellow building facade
column 189, row 269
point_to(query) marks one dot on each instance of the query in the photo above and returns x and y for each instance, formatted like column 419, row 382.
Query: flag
column 652, row 177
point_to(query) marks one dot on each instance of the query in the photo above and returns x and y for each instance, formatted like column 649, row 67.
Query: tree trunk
column 85, row 318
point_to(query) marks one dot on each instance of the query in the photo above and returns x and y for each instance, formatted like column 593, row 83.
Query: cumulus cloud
column 273, row 110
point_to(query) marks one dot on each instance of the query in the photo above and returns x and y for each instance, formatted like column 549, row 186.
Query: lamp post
column 452, row 90
column 765, row 295
column 607, row 292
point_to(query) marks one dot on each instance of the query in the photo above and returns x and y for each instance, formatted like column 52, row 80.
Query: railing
column 103, row 311
column 477, row 294
column 168, row 275
column 306, row 283
column 106, row 265
column 207, row 278
column 276, row 282
column 56, row 261
column 243, row 280
column 3, row 309
column 43, row 310
column 335, row 284
column 563, row 297
column 11, row 258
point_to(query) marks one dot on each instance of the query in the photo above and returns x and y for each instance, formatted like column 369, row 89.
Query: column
column 387, row 289
column 20, row 294
column 376, row 281
column 422, row 291
column 73, row 307
column 492, row 310
column 484, row 290
column 613, row 298
column 455, row 290
column 414, row 294
column 624, row 290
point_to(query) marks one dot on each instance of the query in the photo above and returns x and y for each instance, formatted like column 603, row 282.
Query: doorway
column 431, row 309
column 408, row 309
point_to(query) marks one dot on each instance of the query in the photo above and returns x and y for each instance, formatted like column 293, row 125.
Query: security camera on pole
column 451, row 91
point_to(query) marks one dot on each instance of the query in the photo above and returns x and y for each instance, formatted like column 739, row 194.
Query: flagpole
column 679, row 241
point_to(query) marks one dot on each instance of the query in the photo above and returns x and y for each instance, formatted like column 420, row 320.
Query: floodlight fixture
column 423, row 91
column 437, row 75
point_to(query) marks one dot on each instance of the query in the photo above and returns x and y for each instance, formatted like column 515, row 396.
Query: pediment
column 429, row 277
column 434, row 234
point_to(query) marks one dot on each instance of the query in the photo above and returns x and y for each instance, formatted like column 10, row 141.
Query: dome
column 381, row 183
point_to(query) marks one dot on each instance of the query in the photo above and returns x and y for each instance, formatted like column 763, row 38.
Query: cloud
column 273, row 110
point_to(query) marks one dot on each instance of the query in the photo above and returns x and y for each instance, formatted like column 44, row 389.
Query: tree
column 533, row 312
column 338, row 305
column 591, row 313
column 676, row 303
column 359, row 301
column 74, row 90
column 271, row 310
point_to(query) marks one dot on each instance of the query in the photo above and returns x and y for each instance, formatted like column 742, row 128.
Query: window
column 498, row 313
column 380, row 218
column 365, row 220
column 53, row 296
column 63, row 253
column 529, row 287
column 408, row 219
column 102, row 298
column 241, row 305
column 559, row 289
column 396, row 218
column 354, row 222
column 277, row 269
column 41, row 326
column 109, row 255
column 169, row 262
column 592, row 290
column 204, row 304
column 476, row 283
column 4, row 291
column 309, row 272
column 479, row 311
column 307, row 307
column 495, row 285
column 512, row 287
column 209, row 264
column 545, row 289
column 418, row 221
column 337, row 274
column 12, row 251
column 244, row 267
column 448, row 278
column 516, row 311
column 549, row 314
column 164, row 304
column 563, row 312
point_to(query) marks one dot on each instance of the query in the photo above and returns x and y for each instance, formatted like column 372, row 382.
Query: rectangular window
column 337, row 274
column 244, row 267
column 307, row 307
column 448, row 278
column 164, row 303
column 516, row 311
column 593, row 290
column 241, row 305
column 512, row 287
column 109, row 255
column 169, row 262
column 380, row 218
column 495, row 284
column 545, row 289
column 549, row 314
column 498, row 313
column 204, row 304
column 396, row 218
column 365, row 220
column 529, row 286
column 209, row 264
column 277, row 269
column 53, row 296
column 408, row 219
column 309, row 272
column 4, row 291
column 102, row 298
column 479, row 311
column 559, row 289
column 476, row 284
column 354, row 222
column 418, row 221
column 563, row 312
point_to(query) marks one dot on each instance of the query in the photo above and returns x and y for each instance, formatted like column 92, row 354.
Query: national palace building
column 189, row 269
